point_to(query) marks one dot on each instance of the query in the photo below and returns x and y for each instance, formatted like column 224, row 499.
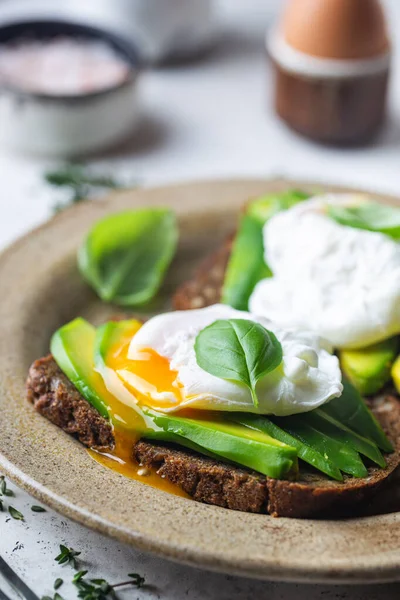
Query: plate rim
column 378, row 572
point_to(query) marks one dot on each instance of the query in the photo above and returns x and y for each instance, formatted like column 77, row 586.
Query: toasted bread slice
column 215, row 482
column 57, row 399
column 313, row 495
column 206, row 286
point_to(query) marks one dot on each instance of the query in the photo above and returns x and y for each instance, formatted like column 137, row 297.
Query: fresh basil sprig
column 125, row 255
column 238, row 350
column 371, row 216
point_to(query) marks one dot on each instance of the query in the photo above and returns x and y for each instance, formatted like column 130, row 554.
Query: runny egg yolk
column 149, row 374
column 128, row 425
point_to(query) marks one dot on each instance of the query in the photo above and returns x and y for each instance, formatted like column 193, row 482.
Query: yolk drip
column 121, row 460
column 127, row 422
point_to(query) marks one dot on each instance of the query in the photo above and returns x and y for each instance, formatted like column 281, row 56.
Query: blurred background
column 200, row 99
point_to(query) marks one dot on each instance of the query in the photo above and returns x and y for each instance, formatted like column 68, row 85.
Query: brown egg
column 341, row 29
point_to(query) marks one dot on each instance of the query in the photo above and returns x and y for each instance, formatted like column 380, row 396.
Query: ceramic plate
column 40, row 290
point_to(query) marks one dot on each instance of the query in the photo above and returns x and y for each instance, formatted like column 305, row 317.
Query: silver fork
column 13, row 579
column 3, row 596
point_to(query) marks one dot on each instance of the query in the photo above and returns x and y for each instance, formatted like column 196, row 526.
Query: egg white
column 308, row 376
column 340, row 282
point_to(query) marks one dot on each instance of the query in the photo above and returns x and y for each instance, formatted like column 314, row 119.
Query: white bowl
column 161, row 29
column 64, row 125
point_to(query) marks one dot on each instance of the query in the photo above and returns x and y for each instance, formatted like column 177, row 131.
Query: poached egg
column 158, row 368
column 339, row 282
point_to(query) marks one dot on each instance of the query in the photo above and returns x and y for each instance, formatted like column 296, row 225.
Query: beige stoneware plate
column 40, row 290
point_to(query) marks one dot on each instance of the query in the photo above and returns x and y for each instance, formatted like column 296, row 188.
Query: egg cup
column 337, row 101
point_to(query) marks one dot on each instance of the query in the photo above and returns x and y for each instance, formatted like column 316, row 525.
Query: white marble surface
column 208, row 119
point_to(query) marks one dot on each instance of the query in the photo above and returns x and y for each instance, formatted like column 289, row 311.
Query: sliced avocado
column 341, row 455
column 307, row 453
column 72, row 348
column 113, row 334
column 173, row 438
column 351, row 410
column 344, row 435
column 396, row 373
column 111, row 338
column 267, row 206
column 368, row 369
column 246, row 265
column 253, row 449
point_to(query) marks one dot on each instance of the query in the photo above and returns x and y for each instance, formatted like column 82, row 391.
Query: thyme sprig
column 67, row 556
column 81, row 183
column 101, row 589
column 18, row 516
column 58, row 583
column 4, row 490
column 38, row 509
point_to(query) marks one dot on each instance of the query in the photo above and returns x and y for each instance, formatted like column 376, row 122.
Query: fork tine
column 11, row 577
column 3, row 596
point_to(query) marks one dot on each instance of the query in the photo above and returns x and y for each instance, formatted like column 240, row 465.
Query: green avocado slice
column 396, row 373
column 325, row 422
column 341, row 455
column 108, row 335
column 246, row 265
column 252, row 449
column 72, row 347
column 351, row 410
column 307, row 453
column 368, row 369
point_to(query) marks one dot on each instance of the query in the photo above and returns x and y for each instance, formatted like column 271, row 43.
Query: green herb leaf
column 81, row 182
column 58, row 583
column 78, row 576
column 100, row 589
column 4, row 490
column 74, row 175
column 137, row 579
column 38, row 509
column 371, row 216
column 238, row 350
column 125, row 256
column 246, row 265
column 18, row 516
column 67, row 555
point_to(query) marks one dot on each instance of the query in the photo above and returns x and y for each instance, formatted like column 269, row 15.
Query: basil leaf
column 371, row 216
column 238, row 350
column 246, row 266
column 125, row 255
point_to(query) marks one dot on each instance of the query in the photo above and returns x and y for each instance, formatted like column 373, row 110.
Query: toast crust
column 313, row 496
column 57, row 399
column 215, row 482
